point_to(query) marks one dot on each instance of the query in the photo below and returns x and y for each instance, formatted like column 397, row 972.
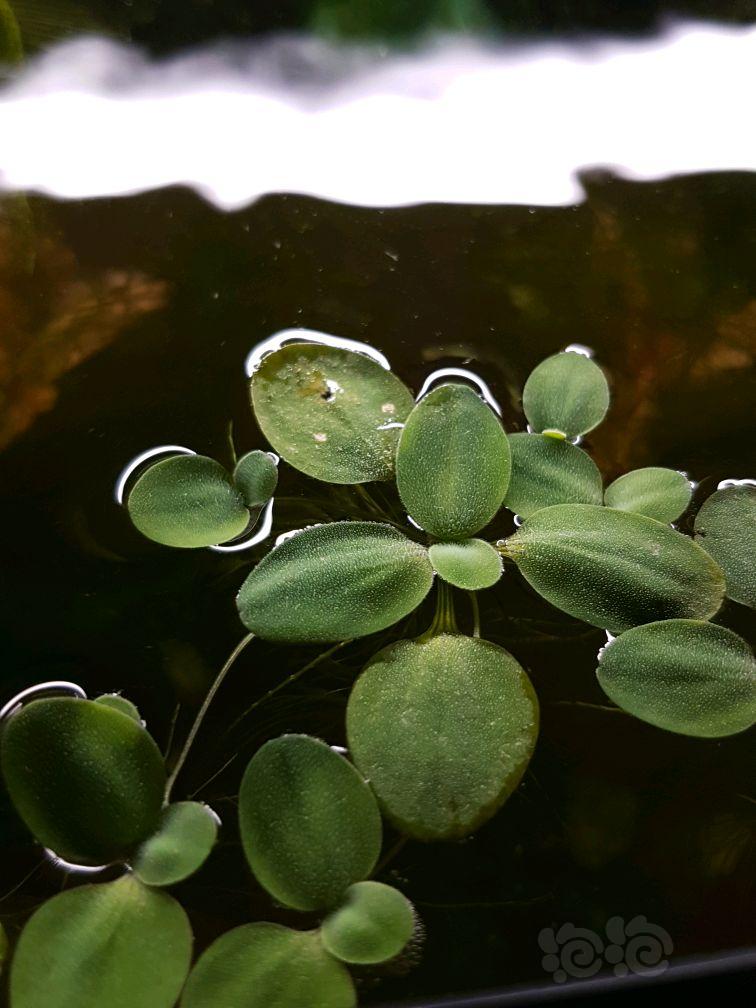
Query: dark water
column 125, row 323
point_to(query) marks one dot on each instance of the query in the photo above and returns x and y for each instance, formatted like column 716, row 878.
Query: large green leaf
column 443, row 729
column 548, row 470
column 86, row 779
column 658, row 493
column 118, row 945
column 372, row 925
column 187, row 501
column 726, row 527
column 331, row 413
column 335, row 582
column 268, row 966
column 687, row 676
column 567, row 393
column 615, row 569
column 184, row 838
column 470, row 563
column 309, row 823
column 452, row 466
column 256, row 478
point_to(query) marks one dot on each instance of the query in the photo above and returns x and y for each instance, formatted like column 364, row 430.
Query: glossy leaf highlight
column 331, row 413
column 373, row 924
column 658, row 493
column 115, row 945
column 335, row 582
column 726, row 528
column 615, row 569
column 309, row 823
column 687, row 676
column 268, row 966
column 86, row 779
column 183, row 840
column 452, row 466
column 187, row 501
column 548, row 470
column 567, row 393
column 256, row 478
column 443, row 729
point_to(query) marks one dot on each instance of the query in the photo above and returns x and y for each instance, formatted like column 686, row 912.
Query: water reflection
column 55, row 687
column 286, row 336
column 455, row 372
column 260, row 531
column 130, row 469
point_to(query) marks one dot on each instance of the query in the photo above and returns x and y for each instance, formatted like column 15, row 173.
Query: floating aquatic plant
column 440, row 727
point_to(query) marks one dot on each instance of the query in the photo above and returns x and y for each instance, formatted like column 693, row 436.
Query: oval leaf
column 187, row 501
column 335, row 582
column 726, row 528
column 184, row 838
column 331, row 413
column 120, row 703
column 658, row 493
column 443, row 729
column 567, row 393
column 118, row 945
column 615, row 569
column 687, row 676
column 268, row 966
column 548, row 470
column 373, row 924
column 309, row 823
column 256, row 478
column 471, row 563
column 452, row 466
column 86, row 779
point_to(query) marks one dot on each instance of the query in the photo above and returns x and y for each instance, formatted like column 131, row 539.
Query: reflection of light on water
column 284, row 536
column 458, row 121
column 136, row 462
column 610, row 639
column 279, row 339
column 580, row 348
column 727, row 483
column 455, row 372
column 70, row 867
column 53, row 688
column 260, row 531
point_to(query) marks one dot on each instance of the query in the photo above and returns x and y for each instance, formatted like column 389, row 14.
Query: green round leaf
column 687, row 676
column 726, row 528
column 86, row 779
column 567, row 393
column 615, row 569
column 372, row 925
column 120, row 703
column 452, row 466
column 335, row 582
column 548, row 470
column 443, row 730
column 658, row 493
column 187, row 501
column 331, row 413
column 256, row 478
column 118, row 945
column 471, row 563
column 184, row 838
column 268, row 966
column 309, row 823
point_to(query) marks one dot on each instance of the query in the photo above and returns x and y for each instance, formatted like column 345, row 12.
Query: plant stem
column 203, row 711
column 444, row 620
column 476, row 613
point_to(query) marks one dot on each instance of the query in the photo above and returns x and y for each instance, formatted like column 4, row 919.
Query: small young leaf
column 658, row 493
column 335, row 582
column 452, row 465
column 117, row 945
column 567, row 393
column 310, row 826
column 687, row 676
column 443, row 730
column 86, row 779
column 268, row 966
column 184, row 838
column 471, row 563
column 726, row 528
column 548, row 470
column 372, row 925
column 120, row 703
column 615, row 569
column 256, row 478
column 187, row 501
column 331, row 413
